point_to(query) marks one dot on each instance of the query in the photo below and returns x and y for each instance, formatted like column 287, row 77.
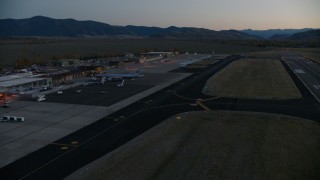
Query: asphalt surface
column 108, row 93
column 72, row 152
column 307, row 71
column 97, row 95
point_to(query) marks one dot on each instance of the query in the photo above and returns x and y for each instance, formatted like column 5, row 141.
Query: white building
column 23, row 81
column 154, row 56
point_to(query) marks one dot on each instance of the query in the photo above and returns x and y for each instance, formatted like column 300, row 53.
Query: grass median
column 218, row 145
column 258, row 78
column 310, row 53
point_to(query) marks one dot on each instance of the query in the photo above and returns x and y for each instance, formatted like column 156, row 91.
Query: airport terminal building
column 20, row 82
column 154, row 56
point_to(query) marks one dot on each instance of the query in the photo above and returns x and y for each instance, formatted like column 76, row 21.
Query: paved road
column 72, row 152
column 307, row 71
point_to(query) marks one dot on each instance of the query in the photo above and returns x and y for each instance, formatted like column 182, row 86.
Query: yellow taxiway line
column 203, row 106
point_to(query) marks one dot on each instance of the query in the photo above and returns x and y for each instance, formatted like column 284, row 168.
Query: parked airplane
column 121, row 84
column 94, row 81
column 41, row 97
column 120, row 76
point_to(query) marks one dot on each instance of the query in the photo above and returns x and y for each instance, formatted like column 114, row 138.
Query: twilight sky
column 211, row 14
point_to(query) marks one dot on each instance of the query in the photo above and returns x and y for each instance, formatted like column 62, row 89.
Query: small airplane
column 121, row 84
column 41, row 97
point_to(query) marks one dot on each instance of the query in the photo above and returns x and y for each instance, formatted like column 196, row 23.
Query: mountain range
column 49, row 27
column 274, row 33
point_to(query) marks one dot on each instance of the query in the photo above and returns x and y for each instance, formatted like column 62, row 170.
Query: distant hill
column 312, row 35
column 279, row 37
column 200, row 33
column 274, row 32
column 43, row 26
column 48, row 27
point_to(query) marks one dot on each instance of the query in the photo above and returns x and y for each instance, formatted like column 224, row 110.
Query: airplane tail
column 103, row 80
column 121, row 84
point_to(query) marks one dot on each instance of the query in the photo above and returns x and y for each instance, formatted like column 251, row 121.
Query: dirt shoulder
column 216, row 145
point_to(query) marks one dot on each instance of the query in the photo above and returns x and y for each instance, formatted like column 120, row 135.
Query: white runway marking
column 299, row 71
column 316, row 86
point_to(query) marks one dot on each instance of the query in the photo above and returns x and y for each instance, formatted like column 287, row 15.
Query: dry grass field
column 46, row 49
column 311, row 53
column 259, row 78
column 272, row 54
column 217, row 145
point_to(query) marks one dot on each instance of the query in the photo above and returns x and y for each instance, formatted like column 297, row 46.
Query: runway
column 74, row 151
column 307, row 71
